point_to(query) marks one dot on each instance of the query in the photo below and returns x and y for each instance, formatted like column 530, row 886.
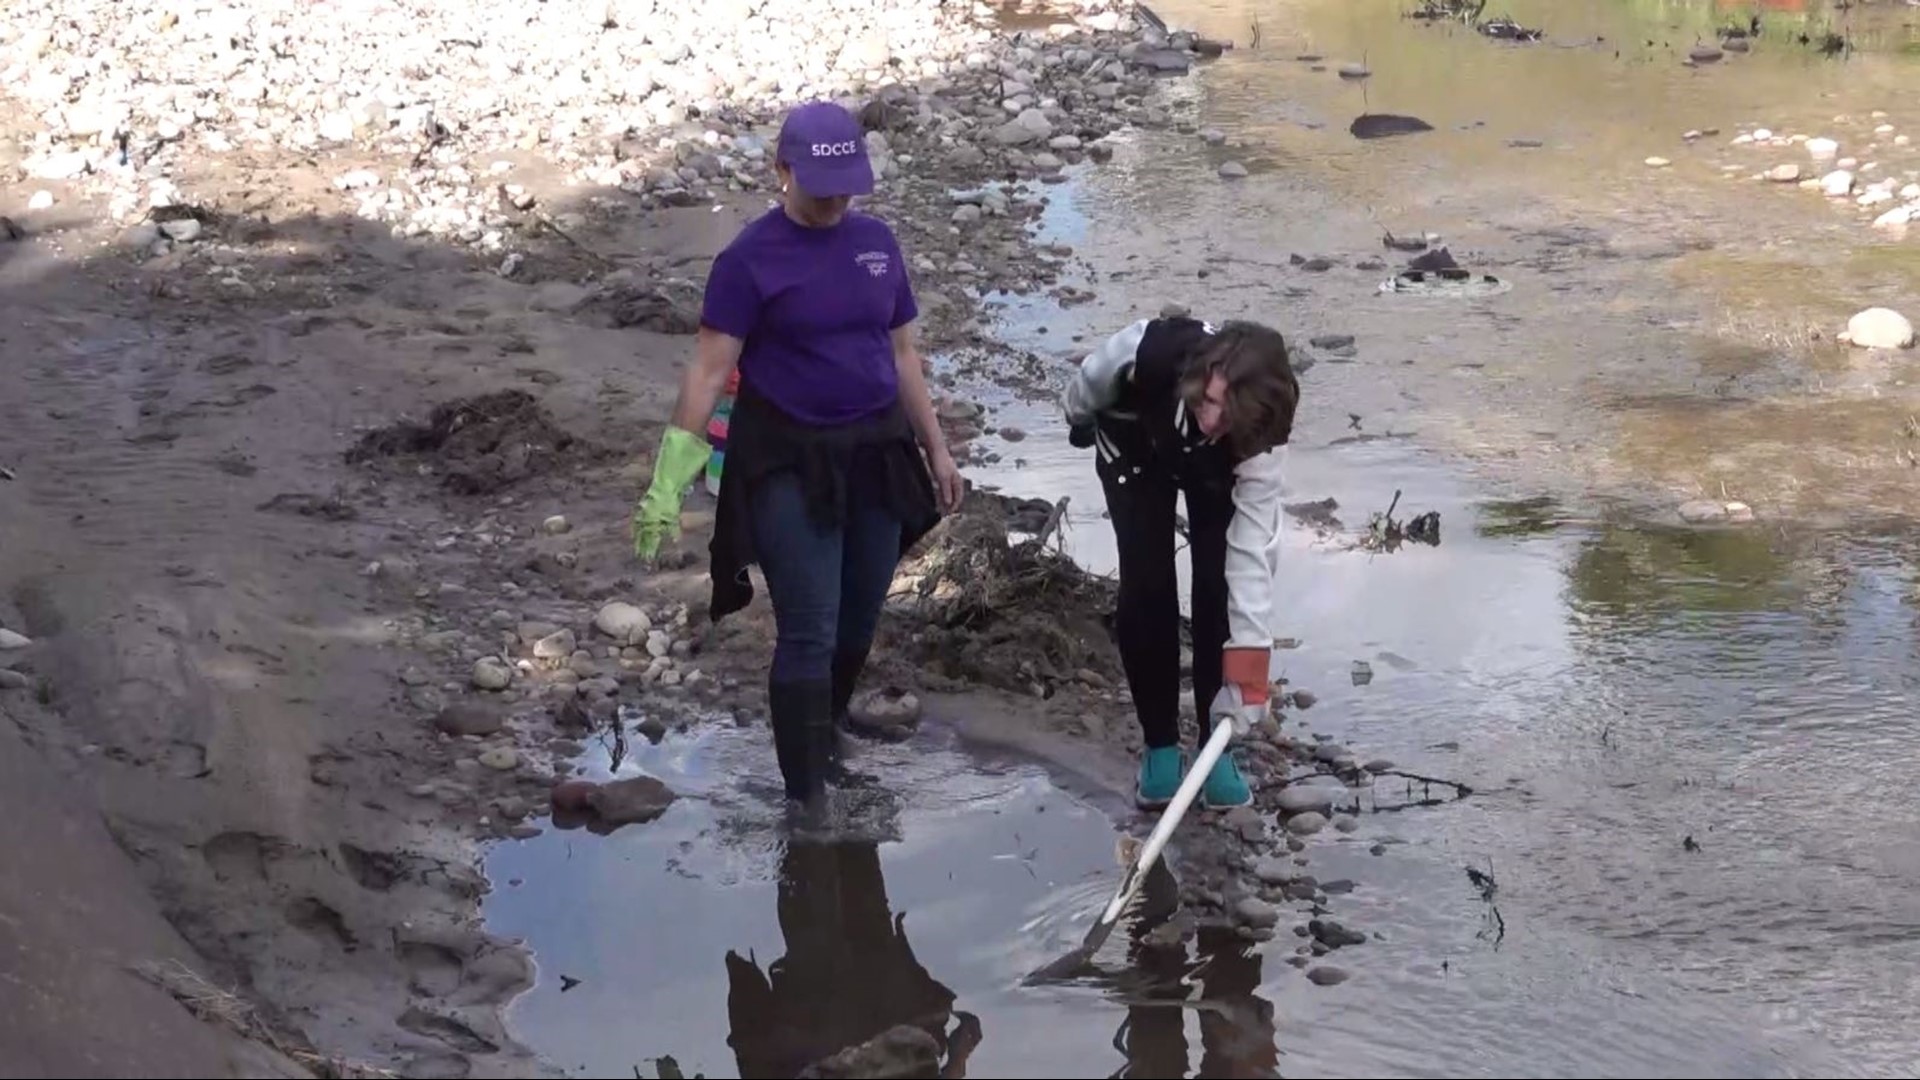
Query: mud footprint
column 448, row 1030
column 434, row 971
column 239, row 856
column 377, row 871
column 320, row 919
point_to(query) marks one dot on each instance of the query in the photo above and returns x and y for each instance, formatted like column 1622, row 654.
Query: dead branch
column 211, row 1004
column 1053, row 521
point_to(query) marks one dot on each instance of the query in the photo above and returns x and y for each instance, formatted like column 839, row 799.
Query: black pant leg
column 1140, row 500
column 1209, row 511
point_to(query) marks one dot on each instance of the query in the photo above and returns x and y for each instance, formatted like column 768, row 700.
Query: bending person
column 1175, row 406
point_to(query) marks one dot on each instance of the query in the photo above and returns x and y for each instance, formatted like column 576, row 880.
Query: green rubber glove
column 683, row 456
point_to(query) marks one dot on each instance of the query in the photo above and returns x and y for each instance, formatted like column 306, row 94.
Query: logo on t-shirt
column 835, row 149
column 876, row 262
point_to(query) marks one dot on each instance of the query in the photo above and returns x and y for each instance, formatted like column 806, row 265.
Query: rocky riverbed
column 346, row 331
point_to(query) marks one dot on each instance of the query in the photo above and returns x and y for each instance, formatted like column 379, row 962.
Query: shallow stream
column 1691, row 747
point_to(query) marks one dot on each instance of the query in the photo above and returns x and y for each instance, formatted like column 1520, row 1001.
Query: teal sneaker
column 1160, row 773
column 1225, row 787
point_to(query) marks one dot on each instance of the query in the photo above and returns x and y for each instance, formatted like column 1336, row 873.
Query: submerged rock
column 1710, row 511
column 1327, row 976
column 1386, row 125
column 634, row 801
column 902, row 1051
column 1333, row 935
column 1256, row 913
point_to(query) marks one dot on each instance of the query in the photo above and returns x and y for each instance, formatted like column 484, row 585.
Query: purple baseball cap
column 825, row 147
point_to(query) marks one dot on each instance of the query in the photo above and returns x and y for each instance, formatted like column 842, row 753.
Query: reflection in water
column 1220, row 984
column 848, row 975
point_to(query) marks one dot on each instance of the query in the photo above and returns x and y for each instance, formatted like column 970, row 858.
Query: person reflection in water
column 1236, row 1024
column 848, row 975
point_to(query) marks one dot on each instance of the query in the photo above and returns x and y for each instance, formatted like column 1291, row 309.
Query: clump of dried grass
column 215, row 1005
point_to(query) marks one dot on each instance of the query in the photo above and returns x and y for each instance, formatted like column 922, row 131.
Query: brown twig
column 1054, row 519
column 550, row 225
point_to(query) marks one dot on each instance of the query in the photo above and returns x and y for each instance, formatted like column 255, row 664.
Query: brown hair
column 1262, row 393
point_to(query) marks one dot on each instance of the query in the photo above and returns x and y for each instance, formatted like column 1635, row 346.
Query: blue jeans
column 827, row 584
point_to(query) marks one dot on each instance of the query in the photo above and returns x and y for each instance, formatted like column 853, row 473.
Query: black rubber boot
column 802, row 715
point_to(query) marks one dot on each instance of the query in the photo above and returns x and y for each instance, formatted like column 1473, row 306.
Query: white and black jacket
column 1128, row 389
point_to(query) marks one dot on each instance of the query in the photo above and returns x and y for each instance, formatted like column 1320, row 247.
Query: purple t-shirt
column 816, row 308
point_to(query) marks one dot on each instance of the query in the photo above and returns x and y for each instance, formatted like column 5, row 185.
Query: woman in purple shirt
column 835, row 462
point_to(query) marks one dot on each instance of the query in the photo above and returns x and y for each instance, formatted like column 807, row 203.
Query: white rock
column 491, row 674
column 60, row 166
column 1065, row 142
column 1822, row 148
column 1273, row 870
column 623, row 622
column 1895, row 218
column 1911, row 191
column 182, row 230
column 1879, row 328
column 41, row 200
column 1233, row 170
column 1784, row 174
column 357, row 180
column 1874, row 196
column 13, row 680
column 337, row 127
column 1762, row 134
column 1838, row 183
column 1256, row 913
column 500, row 758
column 556, row 646
column 659, row 644
column 12, row 640
column 1658, row 163
column 1306, row 824
column 556, row 525
column 1030, row 126
column 1308, row 798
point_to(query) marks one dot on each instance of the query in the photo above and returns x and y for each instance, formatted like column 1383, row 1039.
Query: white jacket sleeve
column 1253, row 550
column 1096, row 386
